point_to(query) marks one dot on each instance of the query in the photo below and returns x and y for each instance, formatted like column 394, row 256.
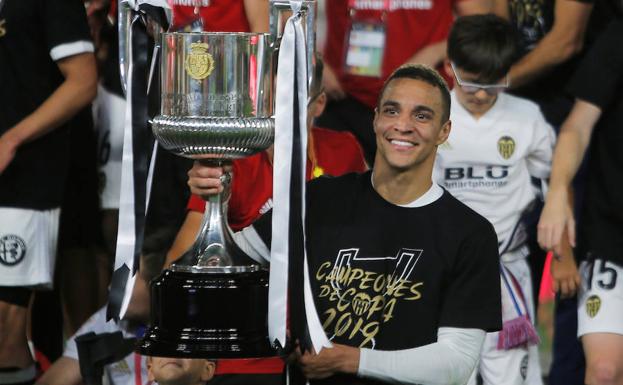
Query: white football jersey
column 487, row 162
column 118, row 373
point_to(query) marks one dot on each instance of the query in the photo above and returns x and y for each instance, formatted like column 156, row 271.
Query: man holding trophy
column 405, row 279
column 403, row 275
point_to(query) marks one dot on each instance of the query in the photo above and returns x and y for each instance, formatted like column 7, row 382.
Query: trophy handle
column 214, row 245
column 280, row 11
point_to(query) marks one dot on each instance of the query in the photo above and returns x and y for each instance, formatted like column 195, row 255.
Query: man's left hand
column 330, row 361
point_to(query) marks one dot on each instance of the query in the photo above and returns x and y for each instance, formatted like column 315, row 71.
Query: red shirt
column 410, row 26
column 337, row 153
column 217, row 15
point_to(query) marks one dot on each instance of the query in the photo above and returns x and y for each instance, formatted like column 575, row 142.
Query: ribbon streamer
column 138, row 149
column 289, row 281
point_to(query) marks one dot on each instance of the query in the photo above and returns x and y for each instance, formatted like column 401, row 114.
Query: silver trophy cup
column 217, row 105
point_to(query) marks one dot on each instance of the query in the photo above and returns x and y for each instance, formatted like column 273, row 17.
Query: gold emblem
column 199, row 63
column 2, row 28
column 593, row 303
column 506, row 146
column 361, row 303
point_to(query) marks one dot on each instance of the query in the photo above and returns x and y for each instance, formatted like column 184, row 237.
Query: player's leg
column 522, row 272
column 600, row 321
column 604, row 358
column 508, row 367
column 28, row 240
column 16, row 363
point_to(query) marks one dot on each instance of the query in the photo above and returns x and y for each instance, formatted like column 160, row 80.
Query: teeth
column 402, row 143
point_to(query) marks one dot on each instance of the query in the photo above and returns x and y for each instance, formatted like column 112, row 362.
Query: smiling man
column 405, row 277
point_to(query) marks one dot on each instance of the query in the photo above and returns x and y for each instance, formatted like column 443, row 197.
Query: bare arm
column 573, row 140
column 64, row 371
column 77, row 90
column 564, row 40
column 257, row 14
column 185, row 237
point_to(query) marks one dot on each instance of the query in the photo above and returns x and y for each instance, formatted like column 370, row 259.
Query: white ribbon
column 292, row 45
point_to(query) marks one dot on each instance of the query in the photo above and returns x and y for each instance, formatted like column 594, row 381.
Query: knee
column 602, row 372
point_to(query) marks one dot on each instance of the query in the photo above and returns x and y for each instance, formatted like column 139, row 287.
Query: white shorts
column 109, row 118
column 600, row 300
column 28, row 246
column 517, row 366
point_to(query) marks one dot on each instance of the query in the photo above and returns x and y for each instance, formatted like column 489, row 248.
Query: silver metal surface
column 217, row 104
column 280, row 11
column 217, row 94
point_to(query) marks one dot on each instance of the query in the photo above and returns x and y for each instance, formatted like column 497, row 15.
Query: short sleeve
column 539, row 159
column 195, row 203
column 472, row 298
column 65, row 27
column 600, row 73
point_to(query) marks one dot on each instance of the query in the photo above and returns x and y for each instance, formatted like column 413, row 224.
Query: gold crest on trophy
column 199, row 62
column 506, row 146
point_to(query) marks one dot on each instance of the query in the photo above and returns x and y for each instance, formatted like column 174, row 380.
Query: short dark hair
column 427, row 75
column 486, row 45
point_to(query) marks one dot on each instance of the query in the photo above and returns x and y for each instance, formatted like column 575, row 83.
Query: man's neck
column 402, row 187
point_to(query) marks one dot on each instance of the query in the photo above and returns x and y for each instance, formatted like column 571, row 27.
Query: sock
column 17, row 376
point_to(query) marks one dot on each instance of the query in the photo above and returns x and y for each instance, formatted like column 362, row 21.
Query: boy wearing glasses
column 497, row 144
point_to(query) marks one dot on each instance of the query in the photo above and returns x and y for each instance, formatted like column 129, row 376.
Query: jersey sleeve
column 600, row 74
column 539, row 159
column 195, row 203
column 65, row 27
column 473, row 299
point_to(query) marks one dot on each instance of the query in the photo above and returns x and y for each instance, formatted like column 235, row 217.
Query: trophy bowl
column 216, row 105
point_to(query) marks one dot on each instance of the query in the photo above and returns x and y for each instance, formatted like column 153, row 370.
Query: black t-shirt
column 533, row 19
column 31, row 31
column 599, row 81
column 387, row 277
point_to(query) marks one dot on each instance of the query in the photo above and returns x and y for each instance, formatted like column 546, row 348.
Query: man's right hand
column 556, row 218
column 205, row 179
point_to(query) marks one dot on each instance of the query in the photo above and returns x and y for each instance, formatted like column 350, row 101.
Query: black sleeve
column 64, row 21
column 600, row 73
column 472, row 299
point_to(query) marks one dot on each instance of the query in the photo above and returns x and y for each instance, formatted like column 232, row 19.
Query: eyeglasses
column 472, row 88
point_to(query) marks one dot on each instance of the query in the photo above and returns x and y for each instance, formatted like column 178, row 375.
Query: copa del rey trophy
column 217, row 105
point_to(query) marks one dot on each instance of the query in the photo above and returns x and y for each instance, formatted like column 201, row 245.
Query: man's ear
column 208, row 370
column 319, row 104
column 444, row 132
column 447, row 67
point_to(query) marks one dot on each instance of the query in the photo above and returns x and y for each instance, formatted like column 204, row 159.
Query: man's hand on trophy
column 330, row 361
column 205, row 178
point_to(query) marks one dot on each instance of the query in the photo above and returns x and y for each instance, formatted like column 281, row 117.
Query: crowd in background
column 62, row 116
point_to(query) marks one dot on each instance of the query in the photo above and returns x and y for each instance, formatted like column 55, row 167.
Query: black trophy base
column 216, row 315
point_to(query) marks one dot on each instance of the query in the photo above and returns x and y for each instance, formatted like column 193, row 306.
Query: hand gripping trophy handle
column 214, row 246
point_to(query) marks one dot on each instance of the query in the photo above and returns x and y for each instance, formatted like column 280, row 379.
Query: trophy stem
column 214, row 245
